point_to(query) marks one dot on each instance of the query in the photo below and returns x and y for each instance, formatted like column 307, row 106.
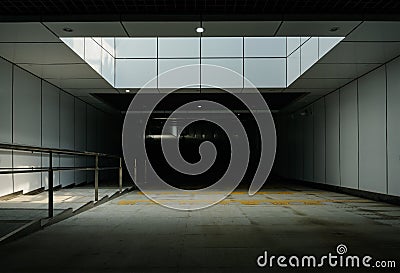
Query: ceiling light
column 67, row 29
column 200, row 30
column 334, row 29
column 127, row 90
column 198, row 106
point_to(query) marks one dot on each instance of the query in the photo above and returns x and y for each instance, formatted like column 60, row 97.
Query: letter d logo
column 262, row 260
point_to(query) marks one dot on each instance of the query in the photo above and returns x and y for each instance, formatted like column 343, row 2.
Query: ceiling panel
column 161, row 29
column 38, row 53
column 97, row 103
column 314, row 91
column 275, row 100
column 87, row 29
column 319, row 83
column 62, row 71
column 302, row 102
column 362, row 52
column 80, row 83
column 241, row 29
column 316, row 28
column 376, row 31
column 338, row 71
column 88, row 91
column 26, row 32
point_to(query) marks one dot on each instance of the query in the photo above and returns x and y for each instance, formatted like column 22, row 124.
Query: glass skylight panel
column 267, row 62
column 265, row 47
column 293, row 67
column 222, row 47
column 186, row 76
column 265, row 72
column 326, row 44
column 309, row 54
column 107, row 67
column 304, row 39
column 293, row 43
column 109, row 45
column 178, row 47
column 76, row 44
column 135, row 73
column 136, row 47
column 97, row 40
column 93, row 54
column 225, row 79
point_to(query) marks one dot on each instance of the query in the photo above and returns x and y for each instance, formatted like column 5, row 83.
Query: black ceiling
column 193, row 7
column 276, row 101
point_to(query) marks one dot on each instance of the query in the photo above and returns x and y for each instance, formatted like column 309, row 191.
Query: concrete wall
column 355, row 136
column 34, row 112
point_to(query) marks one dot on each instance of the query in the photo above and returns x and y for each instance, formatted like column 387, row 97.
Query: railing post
column 51, row 185
column 96, row 180
column 120, row 175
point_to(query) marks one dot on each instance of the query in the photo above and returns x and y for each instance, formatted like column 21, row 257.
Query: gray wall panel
column 332, row 139
column 6, row 181
column 91, row 136
column 34, row 112
column 5, row 101
column 67, row 136
column 299, row 151
column 393, row 126
column 349, row 136
column 50, row 116
column 50, row 128
column 372, row 131
column 26, row 126
column 80, row 139
column 308, row 145
column 319, row 140
column 292, row 147
column 285, row 147
column 26, row 108
column 356, row 135
column 27, row 182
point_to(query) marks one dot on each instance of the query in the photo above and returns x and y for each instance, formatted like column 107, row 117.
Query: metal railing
column 51, row 169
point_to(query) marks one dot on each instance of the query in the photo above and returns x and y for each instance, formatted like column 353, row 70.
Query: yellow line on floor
column 245, row 202
column 220, row 192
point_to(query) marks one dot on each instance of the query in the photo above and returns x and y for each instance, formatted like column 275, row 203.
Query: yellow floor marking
column 282, row 203
column 220, row 192
column 312, row 203
column 263, row 192
column 243, row 202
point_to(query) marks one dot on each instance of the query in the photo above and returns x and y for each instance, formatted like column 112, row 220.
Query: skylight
column 267, row 62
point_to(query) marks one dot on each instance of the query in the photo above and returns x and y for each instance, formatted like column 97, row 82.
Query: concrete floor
column 132, row 234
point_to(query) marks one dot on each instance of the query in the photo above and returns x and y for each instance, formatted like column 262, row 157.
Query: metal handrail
column 28, row 148
column 51, row 169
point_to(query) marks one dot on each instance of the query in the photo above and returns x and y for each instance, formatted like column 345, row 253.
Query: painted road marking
column 245, row 202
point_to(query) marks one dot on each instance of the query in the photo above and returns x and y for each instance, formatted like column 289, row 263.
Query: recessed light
column 334, row 29
column 67, row 29
column 200, row 30
column 199, row 106
column 127, row 90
